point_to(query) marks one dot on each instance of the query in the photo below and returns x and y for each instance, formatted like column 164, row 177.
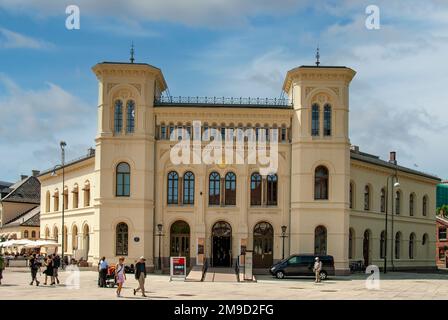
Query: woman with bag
column 120, row 276
column 49, row 270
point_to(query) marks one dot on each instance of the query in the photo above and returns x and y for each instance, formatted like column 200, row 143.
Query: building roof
column 26, row 191
column 373, row 159
column 442, row 220
column 90, row 154
column 29, row 218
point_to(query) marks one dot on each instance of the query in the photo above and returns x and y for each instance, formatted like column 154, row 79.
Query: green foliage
column 442, row 211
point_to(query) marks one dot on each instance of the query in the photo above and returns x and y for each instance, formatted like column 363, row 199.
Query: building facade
column 130, row 198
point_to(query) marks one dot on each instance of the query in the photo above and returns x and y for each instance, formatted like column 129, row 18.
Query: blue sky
column 231, row 48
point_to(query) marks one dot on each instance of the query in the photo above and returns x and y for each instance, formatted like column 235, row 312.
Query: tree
column 442, row 211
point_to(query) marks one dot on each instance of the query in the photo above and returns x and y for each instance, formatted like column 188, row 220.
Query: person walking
column 2, row 267
column 34, row 267
column 317, row 269
column 49, row 270
column 103, row 272
column 120, row 275
column 56, row 266
column 140, row 275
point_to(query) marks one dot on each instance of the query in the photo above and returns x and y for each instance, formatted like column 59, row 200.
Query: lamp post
column 392, row 177
column 283, row 238
column 159, row 234
column 62, row 144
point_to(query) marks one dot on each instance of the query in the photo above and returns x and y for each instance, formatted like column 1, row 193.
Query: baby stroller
column 110, row 277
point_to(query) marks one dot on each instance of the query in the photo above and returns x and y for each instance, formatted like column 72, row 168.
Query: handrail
column 204, row 268
column 237, row 268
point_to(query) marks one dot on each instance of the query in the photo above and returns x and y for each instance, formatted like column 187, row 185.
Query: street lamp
column 62, row 144
column 283, row 238
column 396, row 184
column 159, row 234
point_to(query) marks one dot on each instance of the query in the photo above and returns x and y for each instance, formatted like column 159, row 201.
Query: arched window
column 33, row 234
column 118, row 116
column 321, row 183
column 425, row 206
column 214, row 183
column 56, row 201
column 130, row 118
column 383, row 200
column 47, row 201
column 56, row 234
column 327, row 120
column 411, row 204
column 75, row 237
column 351, row 243
column 121, row 244
column 425, row 239
column 367, row 198
column 189, row 188
column 75, row 196
column 123, row 180
column 320, row 240
column 351, row 196
column 47, row 233
column 315, row 120
column 397, row 202
column 173, row 187
column 65, row 198
column 382, row 244
column 86, row 194
column 65, row 237
column 412, row 246
column 255, row 189
column 25, row 234
column 272, row 190
column 230, row 189
column 397, row 245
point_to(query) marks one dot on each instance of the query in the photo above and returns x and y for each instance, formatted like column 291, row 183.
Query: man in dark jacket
column 34, row 266
column 140, row 275
column 56, row 266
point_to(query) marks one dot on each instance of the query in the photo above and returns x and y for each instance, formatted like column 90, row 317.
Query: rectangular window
column 283, row 134
column 163, row 132
column 442, row 233
column 315, row 120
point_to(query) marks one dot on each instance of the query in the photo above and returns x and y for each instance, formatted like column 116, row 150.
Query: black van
column 302, row 265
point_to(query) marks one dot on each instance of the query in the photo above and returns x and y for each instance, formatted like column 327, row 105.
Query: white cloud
column 34, row 121
column 10, row 39
column 192, row 12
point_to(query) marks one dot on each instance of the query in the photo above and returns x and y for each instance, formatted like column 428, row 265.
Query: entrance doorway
column 180, row 240
column 263, row 245
column 221, row 244
column 366, row 248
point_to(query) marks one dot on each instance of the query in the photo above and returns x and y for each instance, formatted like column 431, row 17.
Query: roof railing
column 249, row 101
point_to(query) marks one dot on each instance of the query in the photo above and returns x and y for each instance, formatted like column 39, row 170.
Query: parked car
column 302, row 265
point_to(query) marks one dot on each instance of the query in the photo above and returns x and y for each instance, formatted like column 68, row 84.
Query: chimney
column 393, row 157
column 354, row 148
column 35, row 173
column 23, row 177
column 90, row 152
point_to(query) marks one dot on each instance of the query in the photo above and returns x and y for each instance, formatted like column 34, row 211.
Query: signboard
column 178, row 267
column 248, row 266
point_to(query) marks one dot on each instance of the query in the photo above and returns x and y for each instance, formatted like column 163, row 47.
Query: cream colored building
column 330, row 196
